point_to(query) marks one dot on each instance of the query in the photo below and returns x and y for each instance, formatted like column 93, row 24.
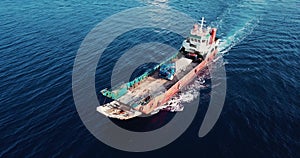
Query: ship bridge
column 200, row 39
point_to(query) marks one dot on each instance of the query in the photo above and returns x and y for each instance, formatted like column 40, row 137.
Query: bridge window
column 192, row 45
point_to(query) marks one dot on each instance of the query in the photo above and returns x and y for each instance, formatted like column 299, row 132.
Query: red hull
column 162, row 99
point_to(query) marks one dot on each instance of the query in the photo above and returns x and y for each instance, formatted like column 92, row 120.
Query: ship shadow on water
column 146, row 124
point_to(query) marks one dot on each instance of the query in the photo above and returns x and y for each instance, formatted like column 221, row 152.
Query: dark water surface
column 39, row 41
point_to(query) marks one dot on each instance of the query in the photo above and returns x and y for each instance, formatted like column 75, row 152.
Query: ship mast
column 202, row 23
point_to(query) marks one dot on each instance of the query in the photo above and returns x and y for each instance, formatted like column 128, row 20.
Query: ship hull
column 184, row 81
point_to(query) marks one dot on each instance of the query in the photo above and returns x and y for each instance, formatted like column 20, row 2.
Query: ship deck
column 153, row 86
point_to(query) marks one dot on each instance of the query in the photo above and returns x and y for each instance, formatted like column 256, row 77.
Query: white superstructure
column 201, row 40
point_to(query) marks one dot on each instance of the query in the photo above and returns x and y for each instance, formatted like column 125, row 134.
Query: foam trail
column 230, row 41
column 187, row 95
column 237, row 21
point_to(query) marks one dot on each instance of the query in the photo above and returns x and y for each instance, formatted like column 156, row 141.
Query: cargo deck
column 154, row 85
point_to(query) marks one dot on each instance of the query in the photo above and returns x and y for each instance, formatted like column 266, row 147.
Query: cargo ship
column 148, row 93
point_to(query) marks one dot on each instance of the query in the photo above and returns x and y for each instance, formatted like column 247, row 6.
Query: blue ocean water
column 39, row 41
